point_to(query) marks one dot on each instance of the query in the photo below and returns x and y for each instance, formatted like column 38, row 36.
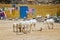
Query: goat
column 50, row 22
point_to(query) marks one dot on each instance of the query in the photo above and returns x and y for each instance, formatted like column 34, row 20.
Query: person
column 2, row 14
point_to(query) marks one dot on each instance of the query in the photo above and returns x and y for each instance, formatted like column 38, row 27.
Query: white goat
column 50, row 23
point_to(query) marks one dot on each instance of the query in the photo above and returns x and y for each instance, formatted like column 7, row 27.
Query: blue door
column 23, row 10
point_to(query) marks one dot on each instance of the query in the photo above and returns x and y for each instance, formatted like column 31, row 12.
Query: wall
column 39, row 10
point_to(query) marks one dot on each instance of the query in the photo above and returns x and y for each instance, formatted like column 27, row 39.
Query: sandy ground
column 6, row 32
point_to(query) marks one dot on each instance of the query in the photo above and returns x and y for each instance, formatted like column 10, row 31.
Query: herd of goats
column 26, row 25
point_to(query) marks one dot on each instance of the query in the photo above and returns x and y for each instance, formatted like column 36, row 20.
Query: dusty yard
column 6, row 32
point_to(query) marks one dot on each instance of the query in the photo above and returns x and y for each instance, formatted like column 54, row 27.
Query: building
column 30, row 1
